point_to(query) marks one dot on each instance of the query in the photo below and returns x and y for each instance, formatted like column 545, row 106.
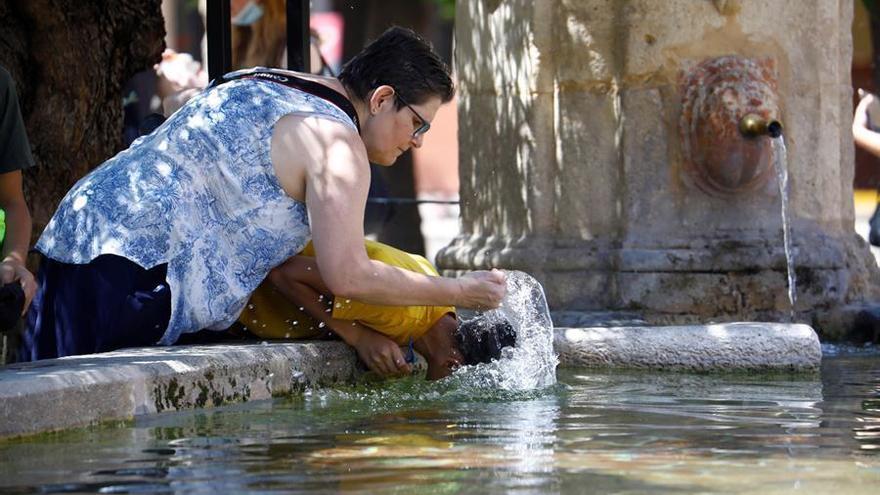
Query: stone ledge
column 720, row 347
column 82, row 390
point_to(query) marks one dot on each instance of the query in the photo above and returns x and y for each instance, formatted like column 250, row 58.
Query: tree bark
column 70, row 60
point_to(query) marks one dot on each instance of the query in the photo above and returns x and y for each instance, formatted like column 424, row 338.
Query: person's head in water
column 448, row 344
column 481, row 341
column 397, row 83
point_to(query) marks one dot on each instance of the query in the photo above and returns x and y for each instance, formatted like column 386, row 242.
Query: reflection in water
column 856, row 385
column 624, row 432
column 412, row 446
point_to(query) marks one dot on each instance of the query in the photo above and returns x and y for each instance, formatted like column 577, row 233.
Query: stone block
column 587, row 182
column 82, row 390
column 498, row 140
column 722, row 347
column 504, row 47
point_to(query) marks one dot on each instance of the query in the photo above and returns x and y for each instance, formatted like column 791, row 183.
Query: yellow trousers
column 270, row 315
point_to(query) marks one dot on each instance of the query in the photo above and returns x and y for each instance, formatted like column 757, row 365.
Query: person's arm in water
column 299, row 280
column 863, row 135
column 325, row 163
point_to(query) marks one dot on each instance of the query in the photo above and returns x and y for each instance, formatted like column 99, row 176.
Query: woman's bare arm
column 329, row 158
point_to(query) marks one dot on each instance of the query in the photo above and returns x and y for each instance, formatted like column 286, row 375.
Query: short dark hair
column 481, row 340
column 403, row 60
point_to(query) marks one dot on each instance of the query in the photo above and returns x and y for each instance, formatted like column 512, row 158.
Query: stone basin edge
column 79, row 391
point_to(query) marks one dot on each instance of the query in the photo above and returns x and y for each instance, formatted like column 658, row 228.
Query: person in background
column 259, row 33
column 866, row 136
column 17, row 284
column 259, row 39
column 178, row 78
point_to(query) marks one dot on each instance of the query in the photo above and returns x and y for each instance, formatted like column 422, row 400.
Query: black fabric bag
column 874, row 222
column 11, row 304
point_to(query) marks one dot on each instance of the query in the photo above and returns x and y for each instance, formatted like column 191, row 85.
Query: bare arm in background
column 863, row 135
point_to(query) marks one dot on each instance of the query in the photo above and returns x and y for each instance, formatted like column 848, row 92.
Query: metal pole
column 298, row 38
column 219, row 38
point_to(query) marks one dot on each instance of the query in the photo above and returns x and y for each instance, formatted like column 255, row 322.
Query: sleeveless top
column 200, row 194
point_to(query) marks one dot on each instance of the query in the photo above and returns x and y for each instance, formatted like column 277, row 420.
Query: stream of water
column 780, row 164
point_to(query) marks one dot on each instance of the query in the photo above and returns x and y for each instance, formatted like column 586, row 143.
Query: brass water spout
column 752, row 126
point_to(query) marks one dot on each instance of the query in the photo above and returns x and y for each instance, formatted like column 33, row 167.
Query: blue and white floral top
column 199, row 194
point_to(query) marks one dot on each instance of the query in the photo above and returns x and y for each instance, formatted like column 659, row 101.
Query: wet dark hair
column 403, row 60
column 481, row 341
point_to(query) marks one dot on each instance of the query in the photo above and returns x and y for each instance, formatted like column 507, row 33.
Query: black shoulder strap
column 287, row 79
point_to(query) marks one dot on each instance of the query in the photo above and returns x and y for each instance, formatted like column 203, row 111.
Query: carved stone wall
column 573, row 169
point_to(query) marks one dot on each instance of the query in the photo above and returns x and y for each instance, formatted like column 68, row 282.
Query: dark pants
column 101, row 306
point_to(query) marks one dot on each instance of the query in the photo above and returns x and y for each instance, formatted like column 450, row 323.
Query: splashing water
column 531, row 363
column 780, row 163
column 524, row 371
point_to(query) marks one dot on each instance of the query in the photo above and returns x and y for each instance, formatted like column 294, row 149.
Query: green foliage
column 447, row 8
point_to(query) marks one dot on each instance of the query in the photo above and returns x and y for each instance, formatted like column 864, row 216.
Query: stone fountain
column 606, row 148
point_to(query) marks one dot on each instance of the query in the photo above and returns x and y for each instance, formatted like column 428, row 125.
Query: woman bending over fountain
column 173, row 234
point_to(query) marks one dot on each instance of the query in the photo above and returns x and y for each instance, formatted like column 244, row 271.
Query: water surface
column 595, row 431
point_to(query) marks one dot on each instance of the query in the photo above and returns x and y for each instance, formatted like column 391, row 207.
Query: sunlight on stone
column 174, row 365
column 577, row 30
column 719, row 331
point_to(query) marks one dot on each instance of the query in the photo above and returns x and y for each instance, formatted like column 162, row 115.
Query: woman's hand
column 482, row 289
column 381, row 354
column 12, row 270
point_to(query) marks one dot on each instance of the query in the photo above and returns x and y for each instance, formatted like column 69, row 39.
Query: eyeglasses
column 424, row 125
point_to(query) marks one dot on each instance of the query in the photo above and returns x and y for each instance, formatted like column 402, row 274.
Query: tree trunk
column 70, row 60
